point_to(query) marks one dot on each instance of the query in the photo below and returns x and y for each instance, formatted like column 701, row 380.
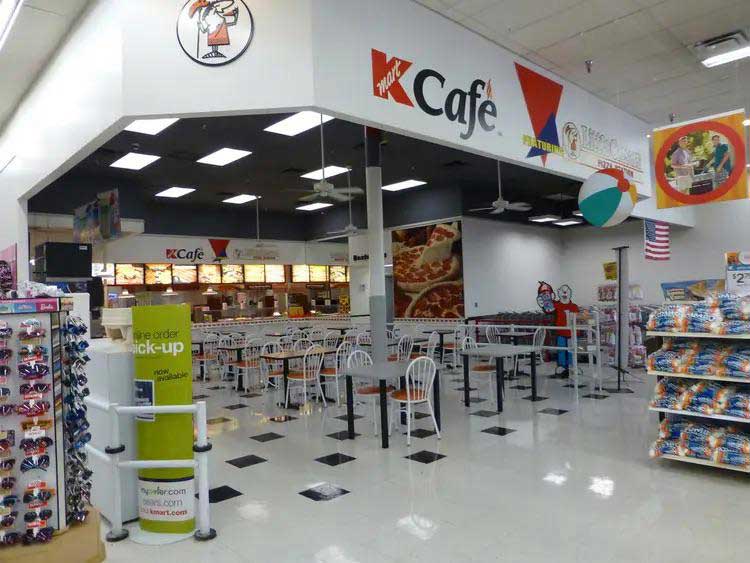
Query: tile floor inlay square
column 498, row 430
column 462, row 388
column 246, row 461
column 324, row 492
column 267, row 437
column 282, row 418
column 235, row 406
column 422, row 433
column 222, row 493
column 556, row 412
column 595, row 396
column 521, row 387
column 216, row 387
column 421, row 415
column 342, row 435
column 476, row 400
column 218, row 420
column 485, row 414
column 343, row 417
column 335, row 459
column 425, row 457
column 538, row 398
column 250, row 395
column 198, row 397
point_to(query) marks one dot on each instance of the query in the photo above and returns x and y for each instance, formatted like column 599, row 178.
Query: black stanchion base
column 204, row 537
column 535, row 400
column 616, row 390
column 115, row 536
column 571, row 385
column 558, row 376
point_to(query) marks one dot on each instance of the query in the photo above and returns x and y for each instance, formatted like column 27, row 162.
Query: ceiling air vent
column 455, row 164
column 722, row 49
column 292, row 170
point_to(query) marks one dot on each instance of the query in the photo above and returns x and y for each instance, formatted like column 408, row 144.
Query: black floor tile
column 219, row 494
column 476, row 400
column 335, row 459
column 595, row 396
column 235, row 407
column 556, row 412
column 282, row 418
column 324, row 491
column 421, row 415
column 538, row 398
column 343, row 417
column 485, row 414
column 251, row 395
column 216, row 387
column 342, row 435
column 462, row 388
column 198, row 397
column 246, row 461
column 571, row 385
column 267, row 437
column 422, row 433
column 498, row 430
column 425, row 457
column 218, row 420
column 457, row 380
column 521, row 387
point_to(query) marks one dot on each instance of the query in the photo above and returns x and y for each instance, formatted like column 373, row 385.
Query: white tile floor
column 574, row 487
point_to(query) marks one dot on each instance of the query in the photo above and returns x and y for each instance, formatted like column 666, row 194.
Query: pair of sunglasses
column 8, row 520
column 30, row 517
column 42, row 495
column 38, row 535
column 31, row 334
column 33, row 371
column 35, row 462
column 78, row 516
column 7, row 410
column 5, row 371
column 10, row 538
column 5, row 354
column 27, row 388
column 7, row 464
column 7, row 483
column 33, row 408
column 6, row 332
column 74, row 346
column 5, row 445
column 4, row 392
column 82, row 441
column 42, row 442
column 9, row 501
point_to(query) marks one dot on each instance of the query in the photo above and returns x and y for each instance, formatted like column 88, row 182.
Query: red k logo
column 386, row 74
column 172, row 253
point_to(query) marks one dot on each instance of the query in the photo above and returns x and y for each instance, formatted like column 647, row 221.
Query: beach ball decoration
column 607, row 198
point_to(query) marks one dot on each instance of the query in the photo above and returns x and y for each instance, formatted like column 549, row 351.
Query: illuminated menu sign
column 275, row 273
column 255, row 273
column 209, row 273
column 158, row 274
column 128, row 274
column 337, row 274
column 184, row 274
column 232, row 273
column 300, row 273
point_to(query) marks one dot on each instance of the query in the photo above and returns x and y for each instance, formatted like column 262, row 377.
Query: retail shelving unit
column 694, row 414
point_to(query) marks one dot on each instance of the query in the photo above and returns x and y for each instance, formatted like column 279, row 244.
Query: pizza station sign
column 469, row 107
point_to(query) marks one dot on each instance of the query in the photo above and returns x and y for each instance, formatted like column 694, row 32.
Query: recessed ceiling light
column 578, row 213
column 568, row 222
column 331, row 171
column 405, row 185
column 314, row 206
column 648, row 135
column 151, row 126
column 544, row 218
column 225, row 156
column 8, row 13
column 746, row 122
column 134, row 161
column 298, row 123
column 175, row 192
column 725, row 58
column 242, row 198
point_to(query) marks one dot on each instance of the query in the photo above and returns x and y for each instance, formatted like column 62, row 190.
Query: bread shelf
column 701, row 415
column 705, row 462
column 699, row 335
column 692, row 376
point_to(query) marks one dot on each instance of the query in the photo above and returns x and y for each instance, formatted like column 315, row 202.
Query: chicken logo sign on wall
column 215, row 32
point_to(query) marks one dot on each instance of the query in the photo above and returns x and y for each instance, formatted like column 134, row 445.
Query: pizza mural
column 428, row 272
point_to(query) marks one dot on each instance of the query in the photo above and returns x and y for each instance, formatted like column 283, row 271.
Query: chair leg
column 375, row 416
column 408, row 424
column 338, row 393
column 391, row 417
column 288, row 390
column 320, row 390
column 434, row 420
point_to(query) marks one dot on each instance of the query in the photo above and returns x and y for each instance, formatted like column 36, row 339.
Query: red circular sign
column 734, row 139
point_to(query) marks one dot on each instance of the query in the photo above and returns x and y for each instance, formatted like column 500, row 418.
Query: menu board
column 318, row 273
column 99, row 270
column 129, row 274
column 255, row 273
column 232, row 273
column 300, row 273
column 209, row 273
column 337, row 274
column 184, row 274
column 158, row 274
column 275, row 273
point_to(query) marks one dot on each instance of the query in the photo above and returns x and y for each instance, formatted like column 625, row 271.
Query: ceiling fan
column 500, row 204
column 324, row 189
column 351, row 228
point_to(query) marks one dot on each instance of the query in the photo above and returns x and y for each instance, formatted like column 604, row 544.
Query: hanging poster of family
column 700, row 161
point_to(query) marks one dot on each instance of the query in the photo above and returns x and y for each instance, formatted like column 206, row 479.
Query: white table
column 499, row 351
column 382, row 372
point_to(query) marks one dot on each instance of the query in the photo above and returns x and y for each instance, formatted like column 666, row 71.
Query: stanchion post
column 204, row 532
column 114, row 449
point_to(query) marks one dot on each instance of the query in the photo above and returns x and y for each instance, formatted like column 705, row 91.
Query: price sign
column 738, row 272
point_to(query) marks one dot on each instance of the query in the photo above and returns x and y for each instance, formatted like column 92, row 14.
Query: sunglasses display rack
column 38, row 461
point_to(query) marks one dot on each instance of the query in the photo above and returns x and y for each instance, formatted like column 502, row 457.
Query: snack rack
column 33, row 407
column 663, row 412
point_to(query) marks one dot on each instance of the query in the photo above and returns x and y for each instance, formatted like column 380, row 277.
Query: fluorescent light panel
column 175, row 192
column 725, row 58
column 314, row 206
column 298, row 123
column 242, row 198
column 544, row 218
column 134, row 161
column 746, row 122
column 9, row 11
column 578, row 213
column 568, row 222
column 224, row 156
column 151, row 126
column 405, row 185
column 331, row 171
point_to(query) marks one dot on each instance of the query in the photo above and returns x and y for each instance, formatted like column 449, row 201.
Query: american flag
column 656, row 235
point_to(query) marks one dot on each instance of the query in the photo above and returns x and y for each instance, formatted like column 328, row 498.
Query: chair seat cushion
column 449, row 345
column 415, row 355
column 393, row 358
column 414, row 395
column 483, row 368
column 203, row 357
column 274, row 374
column 246, row 364
column 373, row 390
column 328, row 372
column 298, row 375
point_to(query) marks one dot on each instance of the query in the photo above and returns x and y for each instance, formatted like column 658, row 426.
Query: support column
column 376, row 246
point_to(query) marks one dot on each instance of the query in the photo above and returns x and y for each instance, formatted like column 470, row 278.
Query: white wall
column 503, row 263
column 697, row 252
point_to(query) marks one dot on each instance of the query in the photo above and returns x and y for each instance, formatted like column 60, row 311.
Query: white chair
column 363, row 339
column 351, row 335
column 209, row 357
column 483, row 369
column 429, row 348
column 286, row 343
column 309, row 375
column 405, row 346
column 333, row 374
column 452, row 348
column 492, row 333
column 271, row 371
column 249, row 363
column 420, row 376
column 330, row 340
column 364, row 391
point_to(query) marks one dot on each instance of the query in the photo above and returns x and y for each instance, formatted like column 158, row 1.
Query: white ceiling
column 639, row 48
column 39, row 29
